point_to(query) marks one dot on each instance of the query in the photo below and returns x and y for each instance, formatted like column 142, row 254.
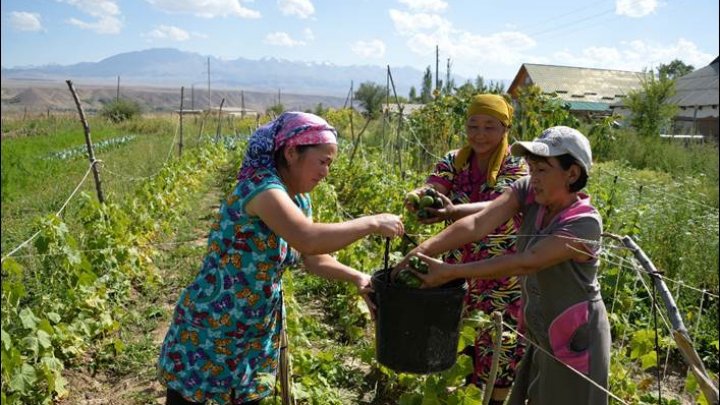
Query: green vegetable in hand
column 406, row 278
column 413, row 199
column 426, row 201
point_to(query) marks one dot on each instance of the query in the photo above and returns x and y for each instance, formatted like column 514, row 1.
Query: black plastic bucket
column 417, row 330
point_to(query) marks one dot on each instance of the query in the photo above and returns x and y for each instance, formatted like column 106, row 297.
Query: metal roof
column 583, row 84
column 588, row 106
column 699, row 88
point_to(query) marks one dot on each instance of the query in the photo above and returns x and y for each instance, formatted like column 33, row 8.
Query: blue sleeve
column 249, row 188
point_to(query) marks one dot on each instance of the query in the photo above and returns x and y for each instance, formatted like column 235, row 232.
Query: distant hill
column 169, row 67
column 43, row 96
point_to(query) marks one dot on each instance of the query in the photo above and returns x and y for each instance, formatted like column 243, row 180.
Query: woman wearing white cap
column 558, row 246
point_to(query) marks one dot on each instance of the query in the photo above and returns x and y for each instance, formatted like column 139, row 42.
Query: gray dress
column 563, row 311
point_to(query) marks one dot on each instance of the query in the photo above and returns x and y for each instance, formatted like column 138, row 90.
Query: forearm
column 496, row 267
column 322, row 238
column 472, row 227
column 458, row 234
column 463, row 210
column 328, row 267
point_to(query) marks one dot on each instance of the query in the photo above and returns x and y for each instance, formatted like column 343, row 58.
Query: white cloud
column 369, row 49
column 635, row 8
column 299, row 8
column 169, row 32
column 472, row 51
column 282, row 39
column 206, row 8
column 104, row 25
column 634, row 55
column 425, row 5
column 411, row 23
column 24, row 21
column 106, row 13
column 308, row 34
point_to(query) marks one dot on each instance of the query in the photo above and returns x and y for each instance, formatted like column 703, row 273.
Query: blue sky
column 488, row 38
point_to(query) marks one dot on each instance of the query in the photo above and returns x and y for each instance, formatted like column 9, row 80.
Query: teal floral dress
column 223, row 343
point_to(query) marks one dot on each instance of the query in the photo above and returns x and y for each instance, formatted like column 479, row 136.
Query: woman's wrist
column 452, row 272
column 360, row 279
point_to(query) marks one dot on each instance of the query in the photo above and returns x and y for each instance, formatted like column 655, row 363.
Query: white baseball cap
column 556, row 141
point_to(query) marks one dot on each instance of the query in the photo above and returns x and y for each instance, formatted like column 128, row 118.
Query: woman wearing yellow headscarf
column 467, row 179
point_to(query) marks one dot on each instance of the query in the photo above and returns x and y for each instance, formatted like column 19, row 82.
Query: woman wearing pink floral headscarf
column 224, row 336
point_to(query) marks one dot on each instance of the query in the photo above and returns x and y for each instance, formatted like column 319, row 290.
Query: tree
column 427, row 87
column 320, row 110
column 674, row 69
column 466, row 90
column 120, row 110
column 480, row 84
column 275, row 110
column 649, row 110
column 413, row 94
column 371, row 95
column 536, row 111
column 496, row 87
column 493, row 87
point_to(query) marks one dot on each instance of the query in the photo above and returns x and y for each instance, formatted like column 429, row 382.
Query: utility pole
column 447, row 82
column 208, row 72
column 242, row 104
column 437, row 66
column 279, row 103
column 117, row 95
column 192, row 96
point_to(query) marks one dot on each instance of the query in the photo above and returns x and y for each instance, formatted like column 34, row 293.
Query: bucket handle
column 387, row 253
column 409, row 239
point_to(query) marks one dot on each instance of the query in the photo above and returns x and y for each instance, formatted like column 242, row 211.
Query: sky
column 479, row 37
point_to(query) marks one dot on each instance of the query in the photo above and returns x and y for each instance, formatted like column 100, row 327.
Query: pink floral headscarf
column 289, row 129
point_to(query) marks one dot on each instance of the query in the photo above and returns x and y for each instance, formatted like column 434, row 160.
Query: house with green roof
column 587, row 92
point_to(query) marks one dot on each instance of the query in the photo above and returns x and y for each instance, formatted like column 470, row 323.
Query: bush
column 120, row 110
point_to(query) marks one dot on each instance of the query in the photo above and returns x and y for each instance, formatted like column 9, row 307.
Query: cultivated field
column 87, row 301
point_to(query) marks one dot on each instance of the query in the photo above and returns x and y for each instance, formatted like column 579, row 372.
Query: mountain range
column 169, row 67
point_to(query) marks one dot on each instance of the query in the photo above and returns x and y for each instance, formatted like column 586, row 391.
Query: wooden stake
column 217, row 133
column 497, row 345
column 357, row 140
column 88, row 143
column 680, row 333
column 182, row 98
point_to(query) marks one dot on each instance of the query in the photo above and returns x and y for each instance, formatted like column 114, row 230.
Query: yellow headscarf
column 497, row 107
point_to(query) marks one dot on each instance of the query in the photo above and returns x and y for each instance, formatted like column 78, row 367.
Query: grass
column 34, row 184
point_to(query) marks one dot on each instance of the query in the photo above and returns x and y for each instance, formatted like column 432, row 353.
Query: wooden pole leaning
column 219, row 118
column 398, row 145
column 679, row 332
column 88, row 143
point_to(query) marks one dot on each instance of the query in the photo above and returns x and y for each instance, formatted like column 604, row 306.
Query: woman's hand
column 446, row 213
column 363, row 282
column 408, row 202
column 438, row 273
column 388, row 225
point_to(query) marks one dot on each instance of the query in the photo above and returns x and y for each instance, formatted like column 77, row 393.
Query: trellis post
column 88, row 143
column 182, row 98
column 679, row 332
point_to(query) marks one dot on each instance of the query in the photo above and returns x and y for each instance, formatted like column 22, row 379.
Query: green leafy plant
column 120, row 110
